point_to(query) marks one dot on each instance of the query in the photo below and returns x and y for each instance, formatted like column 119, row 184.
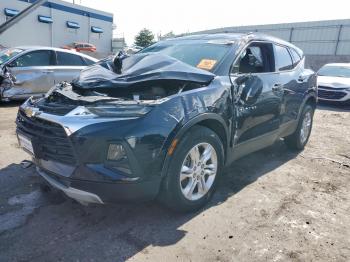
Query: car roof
column 33, row 48
column 232, row 37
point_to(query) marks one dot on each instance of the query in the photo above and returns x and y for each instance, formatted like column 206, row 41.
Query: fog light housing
column 116, row 152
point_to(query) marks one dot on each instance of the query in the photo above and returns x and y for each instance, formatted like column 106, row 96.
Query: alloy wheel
column 198, row 171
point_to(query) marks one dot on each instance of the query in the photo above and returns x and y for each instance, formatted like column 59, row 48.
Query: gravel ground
column 273, row 205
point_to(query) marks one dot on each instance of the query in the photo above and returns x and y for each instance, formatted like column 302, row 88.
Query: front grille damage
column 328, row 94
column 49, row 139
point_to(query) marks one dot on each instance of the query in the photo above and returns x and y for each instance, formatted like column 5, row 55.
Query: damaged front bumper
column 81, row 196
column 70, row 153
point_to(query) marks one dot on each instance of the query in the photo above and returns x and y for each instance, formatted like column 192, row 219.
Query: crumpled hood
column 141, row 68
column 335, row 82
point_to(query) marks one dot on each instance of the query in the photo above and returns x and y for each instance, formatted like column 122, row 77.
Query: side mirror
column 12, row 64
column 250, row 87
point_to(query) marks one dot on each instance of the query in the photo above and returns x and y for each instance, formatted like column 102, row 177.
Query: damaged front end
column 127, row 87
column 6, row 81
column 113, row 129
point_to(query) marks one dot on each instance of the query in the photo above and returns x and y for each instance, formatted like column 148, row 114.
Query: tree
column 144, row 38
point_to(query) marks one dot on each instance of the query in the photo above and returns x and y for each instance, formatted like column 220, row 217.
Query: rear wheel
column 300, row 137
column 193, row 171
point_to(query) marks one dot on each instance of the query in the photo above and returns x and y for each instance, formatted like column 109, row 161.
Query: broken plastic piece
column 26, row 164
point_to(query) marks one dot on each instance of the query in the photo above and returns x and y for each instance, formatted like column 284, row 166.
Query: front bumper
column 86, row 191
column 81, row 196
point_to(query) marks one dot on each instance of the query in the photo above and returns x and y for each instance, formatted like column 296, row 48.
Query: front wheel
column 300, row 137
column 193, row 171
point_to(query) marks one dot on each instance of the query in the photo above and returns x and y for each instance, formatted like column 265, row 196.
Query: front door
column 33, row 72
column 257, row 124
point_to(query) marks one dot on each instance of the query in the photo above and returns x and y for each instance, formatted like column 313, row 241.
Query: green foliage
column 144, row 38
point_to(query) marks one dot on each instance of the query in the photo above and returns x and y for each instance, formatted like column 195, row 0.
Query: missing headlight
column 116, row 152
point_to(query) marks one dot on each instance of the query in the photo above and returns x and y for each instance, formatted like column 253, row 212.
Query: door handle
column 277, row 88
column 48, row 71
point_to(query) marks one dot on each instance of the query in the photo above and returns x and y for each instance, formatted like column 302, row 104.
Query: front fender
column 202, row 118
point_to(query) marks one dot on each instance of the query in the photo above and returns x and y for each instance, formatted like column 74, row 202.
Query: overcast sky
column 181, row 16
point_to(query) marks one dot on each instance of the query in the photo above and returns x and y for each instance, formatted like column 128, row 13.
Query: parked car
column 164, row 122
column 36, row 69
column 81, row 47
column 333, row 82
column 133, row 49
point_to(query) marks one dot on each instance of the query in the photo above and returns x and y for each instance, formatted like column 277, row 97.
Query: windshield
column 7, row 54
column 201, row 55
column 336, row 71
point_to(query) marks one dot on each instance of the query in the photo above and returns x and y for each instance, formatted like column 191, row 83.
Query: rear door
column 68, row 66
column 34, row 72
column 289, row 80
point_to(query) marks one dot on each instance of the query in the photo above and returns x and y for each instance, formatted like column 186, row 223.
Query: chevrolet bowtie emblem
column 31, row 112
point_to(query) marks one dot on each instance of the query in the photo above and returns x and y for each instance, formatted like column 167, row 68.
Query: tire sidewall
column 306, row 109
column 193, row 137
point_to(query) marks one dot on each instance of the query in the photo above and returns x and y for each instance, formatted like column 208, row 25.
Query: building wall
column 29, row 31
column 330, row 37
column 118, row 44
column 322, row 41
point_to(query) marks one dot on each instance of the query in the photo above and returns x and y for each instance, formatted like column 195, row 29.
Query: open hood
column 138, row 69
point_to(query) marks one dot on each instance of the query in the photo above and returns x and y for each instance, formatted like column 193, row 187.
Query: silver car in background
column 333, row 82
column 33, row 70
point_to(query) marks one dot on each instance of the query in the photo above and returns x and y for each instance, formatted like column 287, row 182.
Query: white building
column 56, row 23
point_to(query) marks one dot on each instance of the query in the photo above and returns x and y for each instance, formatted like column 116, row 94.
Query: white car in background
column 333, row 82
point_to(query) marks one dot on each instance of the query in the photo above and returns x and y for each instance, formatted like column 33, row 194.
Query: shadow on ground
column 60, row 228
column 333, row 107
column 11, row 104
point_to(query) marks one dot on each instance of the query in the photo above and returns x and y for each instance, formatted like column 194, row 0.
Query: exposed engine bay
column 138, row 80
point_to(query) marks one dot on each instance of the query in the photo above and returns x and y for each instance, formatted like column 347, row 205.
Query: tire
column 299, row 139
column 176, row 187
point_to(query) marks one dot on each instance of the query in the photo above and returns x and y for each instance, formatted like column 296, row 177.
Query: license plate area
column 25, row 143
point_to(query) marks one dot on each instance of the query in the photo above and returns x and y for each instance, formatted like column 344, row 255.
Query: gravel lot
column 273, row 205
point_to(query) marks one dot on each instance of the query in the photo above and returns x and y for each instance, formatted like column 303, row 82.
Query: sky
column 182, row 16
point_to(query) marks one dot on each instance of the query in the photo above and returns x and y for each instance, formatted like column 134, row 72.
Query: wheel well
column 218, row 128
column 311, row 101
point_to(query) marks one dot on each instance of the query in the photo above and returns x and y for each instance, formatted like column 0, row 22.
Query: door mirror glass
column 250, row 88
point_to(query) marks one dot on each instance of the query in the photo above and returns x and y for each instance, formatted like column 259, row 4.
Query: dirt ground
column 273, row 205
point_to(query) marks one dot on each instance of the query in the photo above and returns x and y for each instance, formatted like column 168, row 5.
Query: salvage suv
column 164, row 122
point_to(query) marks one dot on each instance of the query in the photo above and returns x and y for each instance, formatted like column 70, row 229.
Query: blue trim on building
column 73, row 25
column 73, row 10
column 45, row 19
column 96, row 29
column 11, row 12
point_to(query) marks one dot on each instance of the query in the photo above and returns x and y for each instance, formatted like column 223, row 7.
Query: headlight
column 120, row 110
column 116, row 152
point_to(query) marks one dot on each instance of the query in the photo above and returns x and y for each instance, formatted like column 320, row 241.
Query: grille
column 330, row 94
column 331, row 88
column 49, row 140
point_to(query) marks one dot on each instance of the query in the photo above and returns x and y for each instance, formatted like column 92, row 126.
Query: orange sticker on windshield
column 206, row 64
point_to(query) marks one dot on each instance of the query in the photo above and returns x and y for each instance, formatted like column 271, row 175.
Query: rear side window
column 88, row 61
column 66, row 59
column 283, row 58
column 35, row 58
column 295, row 56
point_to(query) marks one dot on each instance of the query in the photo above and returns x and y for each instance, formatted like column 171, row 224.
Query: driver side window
column 256, row 58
